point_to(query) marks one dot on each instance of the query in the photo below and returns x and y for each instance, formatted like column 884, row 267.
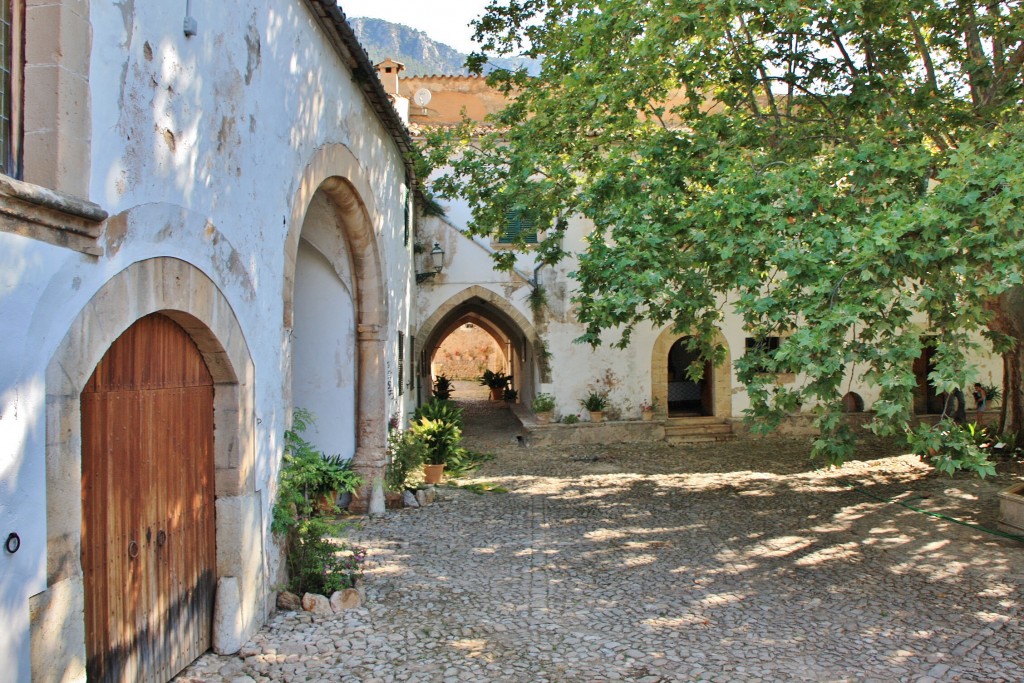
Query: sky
column 446, row 21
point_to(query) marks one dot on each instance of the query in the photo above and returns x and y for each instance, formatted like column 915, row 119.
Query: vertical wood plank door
column 148, row 535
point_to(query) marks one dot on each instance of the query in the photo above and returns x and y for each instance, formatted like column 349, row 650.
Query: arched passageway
column 491, row 315
column 336, row 314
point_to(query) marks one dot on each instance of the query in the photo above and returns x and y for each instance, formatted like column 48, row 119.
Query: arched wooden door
column 148, row 534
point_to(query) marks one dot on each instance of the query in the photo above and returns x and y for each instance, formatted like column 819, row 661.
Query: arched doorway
column 710, row 396
column 333, row 241
column 491, row 314
column 688, row 397
column 148, row 535
column 181, row 293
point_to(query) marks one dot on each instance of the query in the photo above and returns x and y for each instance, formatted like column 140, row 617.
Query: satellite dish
column 422, row 97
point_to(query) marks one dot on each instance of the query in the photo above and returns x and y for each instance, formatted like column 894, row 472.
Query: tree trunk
column 1009, row 320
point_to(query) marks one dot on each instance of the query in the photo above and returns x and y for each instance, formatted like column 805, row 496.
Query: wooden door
column 148, row 543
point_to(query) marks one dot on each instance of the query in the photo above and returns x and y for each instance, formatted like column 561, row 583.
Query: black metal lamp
column 436, row 261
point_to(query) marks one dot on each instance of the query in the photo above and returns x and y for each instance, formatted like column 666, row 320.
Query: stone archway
column 719, row 384
column 349, row 242
column 187, row 296
column 494, row 314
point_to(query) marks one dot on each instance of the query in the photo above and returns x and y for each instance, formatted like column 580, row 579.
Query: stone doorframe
column 187, row 296
column 507, row 320
column 337, row 172
column 721, row 376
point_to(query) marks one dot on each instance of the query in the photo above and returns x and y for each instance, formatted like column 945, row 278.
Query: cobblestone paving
column 630, row 563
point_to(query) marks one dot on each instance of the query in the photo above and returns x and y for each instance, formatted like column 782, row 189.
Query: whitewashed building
column 205, row 216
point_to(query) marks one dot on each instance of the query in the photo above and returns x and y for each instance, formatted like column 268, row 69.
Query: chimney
column 387, row 72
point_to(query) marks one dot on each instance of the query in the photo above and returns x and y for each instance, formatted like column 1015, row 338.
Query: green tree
column 830, row 171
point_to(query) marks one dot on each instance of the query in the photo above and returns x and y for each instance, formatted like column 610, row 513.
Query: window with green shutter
column 515, row 225
column 6, row 86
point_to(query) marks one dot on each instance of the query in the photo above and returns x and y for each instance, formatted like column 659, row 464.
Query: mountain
column 421, row 55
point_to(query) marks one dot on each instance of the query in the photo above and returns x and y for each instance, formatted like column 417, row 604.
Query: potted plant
column 438, row 424
column 647, row 409
column 497, row 382
column 543, row 406
column 595, row 402
column 443, row 388
column 510, row 395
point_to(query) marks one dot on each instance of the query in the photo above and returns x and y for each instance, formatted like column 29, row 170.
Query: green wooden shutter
column 516, row 225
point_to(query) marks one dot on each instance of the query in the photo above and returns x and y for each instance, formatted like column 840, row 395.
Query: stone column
column 371, row 419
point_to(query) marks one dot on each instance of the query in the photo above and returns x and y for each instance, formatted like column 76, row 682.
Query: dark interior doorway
column 685, row 396
column 927, row 401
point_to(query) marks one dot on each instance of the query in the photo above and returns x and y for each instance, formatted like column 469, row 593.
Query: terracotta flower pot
column 432, row 473
column 596, row 415
column 544, row 417
column 647, row 415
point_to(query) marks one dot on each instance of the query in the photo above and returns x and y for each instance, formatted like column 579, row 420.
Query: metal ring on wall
column 13, row 543
column 133, row 550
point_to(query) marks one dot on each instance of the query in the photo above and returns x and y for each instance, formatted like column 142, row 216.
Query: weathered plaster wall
column 199, row 150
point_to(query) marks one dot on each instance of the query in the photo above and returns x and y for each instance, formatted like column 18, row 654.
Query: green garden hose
column 903, row 503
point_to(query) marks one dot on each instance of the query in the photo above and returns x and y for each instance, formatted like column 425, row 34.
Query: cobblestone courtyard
column 629, row 563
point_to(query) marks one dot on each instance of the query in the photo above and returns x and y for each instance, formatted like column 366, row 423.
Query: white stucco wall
column 198, row 149
column 324, row 353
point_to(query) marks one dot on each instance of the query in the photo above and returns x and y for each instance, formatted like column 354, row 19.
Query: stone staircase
column 697, row 430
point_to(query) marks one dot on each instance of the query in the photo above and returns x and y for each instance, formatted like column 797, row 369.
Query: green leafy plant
column 538, row 300
column 510, row 395
column 443, row 388
column 440, row 437
column 315, row 562
column 495, row 380
column 595, row 401
column 951, row 447
column 465, row 461
column 307, row 475
column 406, row 454
column 445, row 411
column 320, row 564
column 993, row 394
column 542, row 403
column 570, row 419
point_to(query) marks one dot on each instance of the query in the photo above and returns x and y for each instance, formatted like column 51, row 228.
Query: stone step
column 697, row 430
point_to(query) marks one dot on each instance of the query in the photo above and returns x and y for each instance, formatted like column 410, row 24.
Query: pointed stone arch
column 336, row 173
column 479, row 304
column 721, row 375
column 186, row 295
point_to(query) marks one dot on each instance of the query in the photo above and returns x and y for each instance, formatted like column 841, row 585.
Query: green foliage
column 465, row 461
column 543, row 403
column 316, row 563
column 406, row 454
column 320, row 564
column 595, row 401
column 481, row 488
column 570, row 419
column 307, row 475
column 951, row 447
column 444, row 411
column 538, row 300
column 862, row 168
column 440, row 437
column 442, row 388
column 495, row 380
column 993, row 394
column 510, row 395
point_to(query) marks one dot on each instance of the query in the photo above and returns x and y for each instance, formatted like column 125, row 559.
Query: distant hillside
column 421, row 55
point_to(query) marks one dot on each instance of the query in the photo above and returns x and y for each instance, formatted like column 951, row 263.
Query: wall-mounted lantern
column 436, row 263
